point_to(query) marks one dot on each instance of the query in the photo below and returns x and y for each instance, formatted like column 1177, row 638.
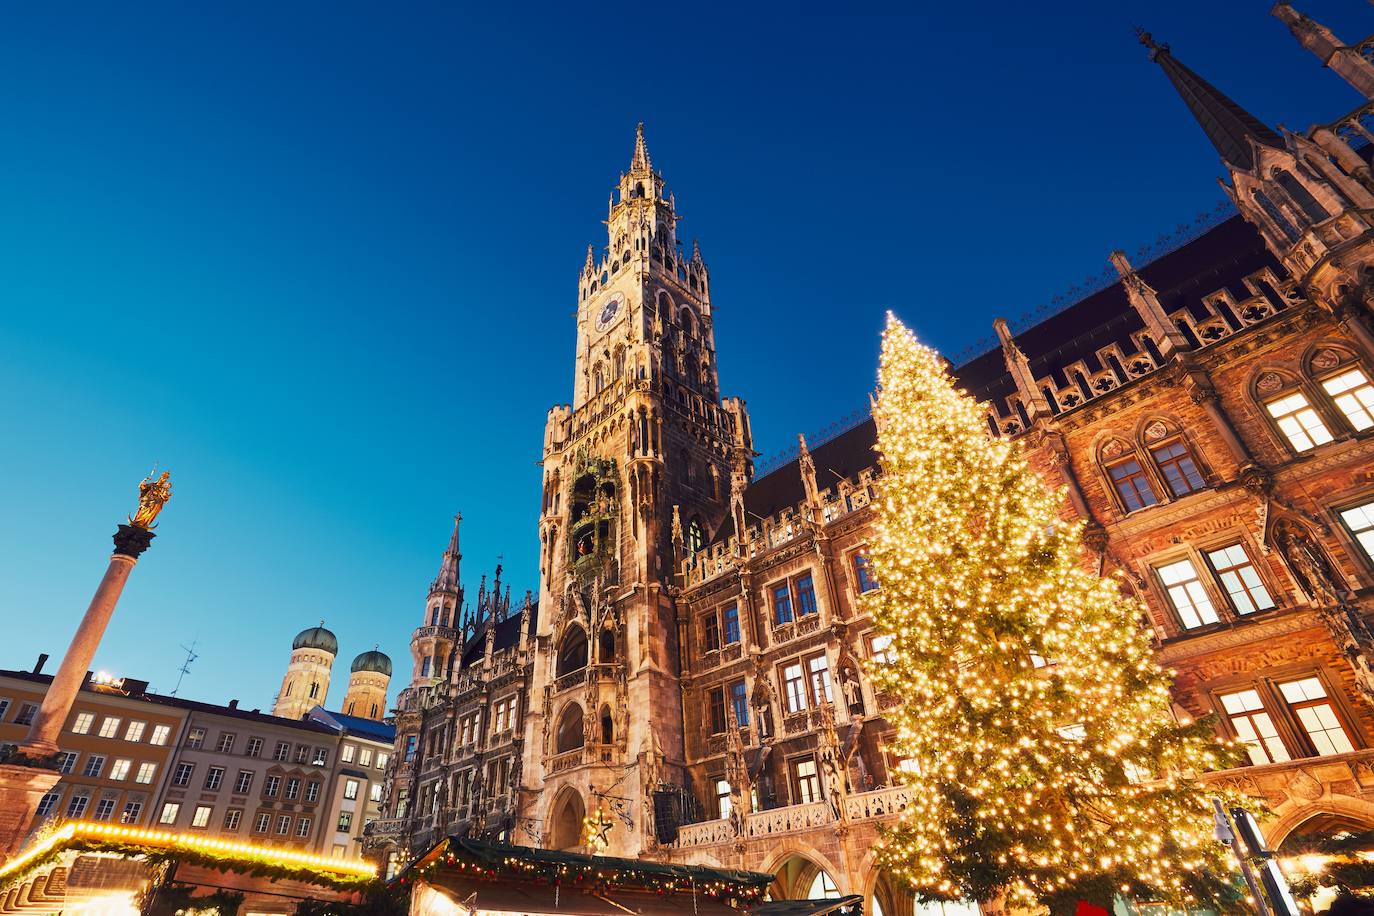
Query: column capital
column 130, row 541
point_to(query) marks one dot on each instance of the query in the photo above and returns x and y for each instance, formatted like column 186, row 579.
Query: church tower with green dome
column 306, row 683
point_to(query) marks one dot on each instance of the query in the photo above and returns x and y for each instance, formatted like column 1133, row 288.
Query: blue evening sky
column 320, row 259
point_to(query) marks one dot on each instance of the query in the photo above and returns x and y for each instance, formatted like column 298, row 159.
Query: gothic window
column 1175, row 463
column 715, row 709
column 606, row 649
column 806, row 595
column 1276, row 215
column 598, row 379
column 618, row 365
column 863, row 574
column 806, row 783
column 710, row 632
column 1187, row 594
column 1252, row 724
column 730, row 624
column 739, row 700
column 1310, row 705
column 689, row 325
column 1298, row 193
column 570, row 737
column 696, row 538
column 1359, row 521
column 607, row 726
column 572, row 654
column 782, row 604
column 1353, row 396
column 1131, row 483
column 314, row 690
column 434, row 617
column 1300, row 424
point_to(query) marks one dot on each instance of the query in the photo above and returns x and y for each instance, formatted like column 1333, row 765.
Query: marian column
column 26, row 776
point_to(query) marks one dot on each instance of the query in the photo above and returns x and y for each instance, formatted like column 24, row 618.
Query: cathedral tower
column 637, row 470
column 367, row 682
column 306, row 683
column 433, row 644
column 1313, row 202
column 1342, row 59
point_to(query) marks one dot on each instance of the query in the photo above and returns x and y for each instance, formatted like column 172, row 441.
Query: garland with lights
column 157, row 847
column 1036, row 727
column 475, row 860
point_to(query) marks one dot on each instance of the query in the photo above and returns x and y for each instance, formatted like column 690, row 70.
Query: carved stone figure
column 1308, row 563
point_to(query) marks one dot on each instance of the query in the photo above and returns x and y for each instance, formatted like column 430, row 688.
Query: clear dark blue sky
column 320, row 259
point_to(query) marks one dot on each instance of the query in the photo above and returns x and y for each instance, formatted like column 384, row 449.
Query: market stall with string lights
column 465, row 877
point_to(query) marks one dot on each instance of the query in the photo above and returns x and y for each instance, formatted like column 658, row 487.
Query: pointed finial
column 1148, row 41
column 591, row 264
column 801, row 445
column 639, row 162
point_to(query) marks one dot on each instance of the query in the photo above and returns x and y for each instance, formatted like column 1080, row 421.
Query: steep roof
column 507, row 635
column 354, row 725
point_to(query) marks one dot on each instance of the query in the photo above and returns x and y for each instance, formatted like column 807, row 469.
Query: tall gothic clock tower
column 638, row 471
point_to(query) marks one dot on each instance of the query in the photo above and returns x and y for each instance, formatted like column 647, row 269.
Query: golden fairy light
column 1040, row 749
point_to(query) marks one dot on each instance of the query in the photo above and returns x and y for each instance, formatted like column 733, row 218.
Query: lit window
column 794, row 687
column 110, row 727
column 346, row 755
column 1178, row 467
column 254, row 747
column 382, row 760
column 424, row 666
column 169, row 813
column 351, row 789
column 146, row 771
column 182, row 776
column 805, row 781
column 1298, row 422
column 213, row 778
column 81, row 725
column 77, row 806
column 202, row 816
column 806, row 596
column 782, row 604
column 1310, row 704
column 880, row 648
column 365, row 757
column 722, row 798
column 376, row 793
column 320, row 757
column 1360, row 522
column 66, row 761
column 1072, row 732
column 863, row 574
column 103, row 809
column 48, row 802
column 131, row 812
column 1254, row 726
column 1185, row 591
column 134, row 731
column 243, row 782
column 1354, row 395
column 261, row 823
column 1132, row 484
column 160, row 733
column 232, row 817
column 226, row 742
column 303, row 827
column 120, row 770
column 95, row 764
column 345, row 822
column 195, row 738
column 411, row 742
column 823, row 887
column 820, row 679
column 1233, row 567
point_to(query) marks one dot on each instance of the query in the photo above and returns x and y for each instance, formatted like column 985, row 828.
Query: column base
column 21, row 788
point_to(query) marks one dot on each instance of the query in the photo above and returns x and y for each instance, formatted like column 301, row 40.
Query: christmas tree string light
column 1044, row 763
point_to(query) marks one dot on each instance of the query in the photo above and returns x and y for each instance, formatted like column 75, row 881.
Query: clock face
column 608, row 313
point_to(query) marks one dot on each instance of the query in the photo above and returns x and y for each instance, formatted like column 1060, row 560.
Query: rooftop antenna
column 185, row 669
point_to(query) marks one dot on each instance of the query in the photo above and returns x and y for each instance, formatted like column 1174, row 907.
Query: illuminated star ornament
column 1035, row 727
column 596, row 831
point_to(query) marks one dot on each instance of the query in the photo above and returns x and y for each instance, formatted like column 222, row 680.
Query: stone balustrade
column 879, row 804
column 384, row 827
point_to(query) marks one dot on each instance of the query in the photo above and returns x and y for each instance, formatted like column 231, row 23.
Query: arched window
column 605, row 652
column 434, row 617
column 572, row 654
column 1298, row 193
column 1130, row 482
column 314, row 689
column 374, row 710
column 696, row 537
column 289, row 685
column 1342, row 379
column 607, row 726
column 349, row 710
column 1173, row 458
column 569, row 736
column 1275, row 214
column 1291, row 411
column 689, row 325
column 823, row 887
column 598, row 379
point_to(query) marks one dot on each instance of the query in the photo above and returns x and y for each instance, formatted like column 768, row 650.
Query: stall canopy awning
column 482, row 876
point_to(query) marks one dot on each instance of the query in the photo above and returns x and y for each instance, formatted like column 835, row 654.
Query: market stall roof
column 482, row 876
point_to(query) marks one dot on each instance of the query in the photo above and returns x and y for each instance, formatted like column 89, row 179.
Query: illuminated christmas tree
column 1044, row 762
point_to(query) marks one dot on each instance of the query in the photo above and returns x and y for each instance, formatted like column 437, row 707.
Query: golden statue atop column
column 152, row 496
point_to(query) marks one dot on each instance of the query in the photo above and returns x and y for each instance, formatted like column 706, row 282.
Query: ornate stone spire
column 448, row 577
column 1145, row 301
column 1347, row 62
column 1037, row 405
column 808, row 472
column 639, row 162
column 1231, row 128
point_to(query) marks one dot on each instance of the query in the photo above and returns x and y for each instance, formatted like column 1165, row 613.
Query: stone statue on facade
column 152, row 496
column 1308, row 563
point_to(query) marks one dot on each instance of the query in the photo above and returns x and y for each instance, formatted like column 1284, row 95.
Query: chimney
column 233, row 704
column 42, row 660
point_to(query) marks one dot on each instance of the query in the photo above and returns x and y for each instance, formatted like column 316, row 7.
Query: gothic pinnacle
column 640, row 161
